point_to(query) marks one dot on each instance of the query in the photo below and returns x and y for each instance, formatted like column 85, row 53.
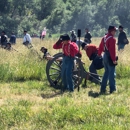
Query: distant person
column 8, row 46
column 50, row 35
column 27, row 39
column 97, row 63
column 87, row 37
column 12, row 38
column 122, row 39
column 108, row 46
column 4, row 39
column 46, row 54
column 73, row 36
column 43, row 35
column 40, row 36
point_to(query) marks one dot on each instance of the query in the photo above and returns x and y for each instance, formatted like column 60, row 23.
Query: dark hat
column 42, row 48
column 65, row 37
column 83, row 45
column 112, row 28
column 121, row 26
column 3, row 32
column 25, row 30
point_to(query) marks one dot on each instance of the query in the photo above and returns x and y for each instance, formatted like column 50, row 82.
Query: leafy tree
column 61, row 16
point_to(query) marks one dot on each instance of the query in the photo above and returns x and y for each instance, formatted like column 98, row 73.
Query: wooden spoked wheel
column 53, row 71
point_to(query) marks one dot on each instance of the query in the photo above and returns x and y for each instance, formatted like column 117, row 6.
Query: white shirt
column 27, row 37
column 77, row 42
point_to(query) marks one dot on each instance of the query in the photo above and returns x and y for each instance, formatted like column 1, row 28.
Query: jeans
column 109, row 74
column 121, row 46
column 66, row 73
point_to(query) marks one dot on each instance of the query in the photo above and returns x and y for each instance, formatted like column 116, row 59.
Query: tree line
column 60, row 16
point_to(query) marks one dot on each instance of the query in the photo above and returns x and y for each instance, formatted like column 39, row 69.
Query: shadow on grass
column 96, row 94
column 93, row 94
column 52, row 94
column 21, row 80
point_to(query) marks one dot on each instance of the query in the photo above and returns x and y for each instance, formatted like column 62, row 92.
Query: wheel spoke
column 55, row 68
column 57, row 64
column 58, row 78
column 76, row 77
column 53, row 74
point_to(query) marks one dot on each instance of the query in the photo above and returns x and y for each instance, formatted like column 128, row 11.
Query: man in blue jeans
column 108, row 46
column 70, row 49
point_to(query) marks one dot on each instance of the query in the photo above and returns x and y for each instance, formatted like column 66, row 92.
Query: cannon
column 53, row 72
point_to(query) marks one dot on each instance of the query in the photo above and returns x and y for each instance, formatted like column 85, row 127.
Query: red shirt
column 91, row 48
column 69, row 49
column 111, row 46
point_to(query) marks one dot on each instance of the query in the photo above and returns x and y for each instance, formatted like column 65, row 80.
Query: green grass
column 27, row 102
column 27, row 106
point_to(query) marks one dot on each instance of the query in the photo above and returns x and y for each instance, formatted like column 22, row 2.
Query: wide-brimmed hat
column 112, row 28
column 65, row 37
column 83, row 45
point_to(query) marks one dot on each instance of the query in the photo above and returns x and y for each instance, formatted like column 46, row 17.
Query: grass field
column 27, row 102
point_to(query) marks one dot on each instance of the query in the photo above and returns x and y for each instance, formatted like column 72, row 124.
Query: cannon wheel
column 53, row 72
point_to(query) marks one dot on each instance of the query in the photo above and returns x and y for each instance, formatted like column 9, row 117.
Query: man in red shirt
column 92, row 51
column 108, row 46
column 70, row 49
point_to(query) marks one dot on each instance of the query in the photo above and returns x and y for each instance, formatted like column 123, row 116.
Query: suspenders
column 105, row 40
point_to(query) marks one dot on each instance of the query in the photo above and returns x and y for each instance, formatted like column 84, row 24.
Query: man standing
column 92, row 51
column 87, row 37
column 122, row 39
column 27, row 39
column 70, row 49
column 108, row 46
column 73, row 36
column 4, row 39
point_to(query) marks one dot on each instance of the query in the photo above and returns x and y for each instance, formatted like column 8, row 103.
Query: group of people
column 4, row 40
column 87, row 37
column 103, row 56
column 122, row 37
column 6, row 44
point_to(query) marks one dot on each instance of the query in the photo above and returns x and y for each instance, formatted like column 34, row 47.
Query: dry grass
column 33, row 105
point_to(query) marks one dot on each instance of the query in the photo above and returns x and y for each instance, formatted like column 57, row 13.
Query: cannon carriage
column 53, row 72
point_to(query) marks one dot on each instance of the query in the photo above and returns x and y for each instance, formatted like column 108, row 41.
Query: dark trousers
column 92, row 69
